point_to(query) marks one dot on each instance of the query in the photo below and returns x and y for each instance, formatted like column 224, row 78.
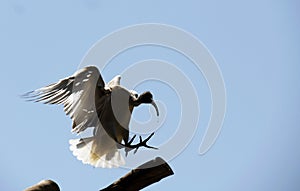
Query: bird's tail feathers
column 84, row 150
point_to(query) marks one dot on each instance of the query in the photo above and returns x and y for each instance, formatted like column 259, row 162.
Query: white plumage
column 106, row 108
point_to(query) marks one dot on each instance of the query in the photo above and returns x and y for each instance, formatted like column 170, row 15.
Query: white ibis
column 92, row 104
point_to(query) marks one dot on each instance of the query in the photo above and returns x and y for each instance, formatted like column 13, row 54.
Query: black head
column 145, row 97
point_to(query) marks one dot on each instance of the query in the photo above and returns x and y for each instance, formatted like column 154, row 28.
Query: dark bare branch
column 143, row 176
column 139, row 178
column 44, row 185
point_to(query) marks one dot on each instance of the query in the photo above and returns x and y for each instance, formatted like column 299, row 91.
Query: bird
column 106, row 108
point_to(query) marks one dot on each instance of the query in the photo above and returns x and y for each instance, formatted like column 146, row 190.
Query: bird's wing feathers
column 84, row 97
column 77, row 94
column 115, row 81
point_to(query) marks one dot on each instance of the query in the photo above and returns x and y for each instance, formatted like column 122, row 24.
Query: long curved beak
column 155, row 106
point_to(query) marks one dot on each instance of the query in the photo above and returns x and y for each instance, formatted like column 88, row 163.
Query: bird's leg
column 143, row 143
column 127, row 149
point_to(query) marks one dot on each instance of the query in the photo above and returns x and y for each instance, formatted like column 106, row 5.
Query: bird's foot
column 143, row 143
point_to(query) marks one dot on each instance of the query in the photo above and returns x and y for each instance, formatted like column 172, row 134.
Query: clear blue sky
column 256, row 44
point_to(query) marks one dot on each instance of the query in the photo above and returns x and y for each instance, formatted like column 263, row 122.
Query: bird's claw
column 143, row 143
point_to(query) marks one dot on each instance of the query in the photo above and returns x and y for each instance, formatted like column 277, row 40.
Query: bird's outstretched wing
column 80, row 94
column 115, row 81
column 85, row 100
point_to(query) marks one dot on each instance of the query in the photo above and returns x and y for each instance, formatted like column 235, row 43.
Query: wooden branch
column 139, row 178
column 143, row 176
column 44, row 185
